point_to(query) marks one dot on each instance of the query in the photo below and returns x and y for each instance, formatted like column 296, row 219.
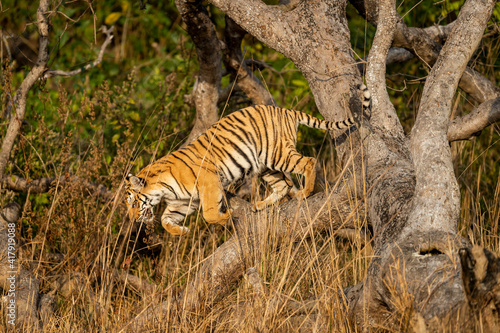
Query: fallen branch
column 466, row 127
column 43, row 185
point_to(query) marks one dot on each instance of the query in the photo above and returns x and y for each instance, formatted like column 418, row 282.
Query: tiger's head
column 139, row 203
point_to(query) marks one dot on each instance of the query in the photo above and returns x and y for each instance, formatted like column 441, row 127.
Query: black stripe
column 296, row 162
column 242, row 170
column 256, row 129
column 170, row 188
column 265, row 148
column 221, row 158
column 236, row 147
column 176, row 212
column 181, row 186
column 189, row 167
column 289, row 121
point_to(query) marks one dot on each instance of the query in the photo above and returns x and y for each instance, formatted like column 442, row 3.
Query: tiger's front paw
column 226, row 217
column 175, row 229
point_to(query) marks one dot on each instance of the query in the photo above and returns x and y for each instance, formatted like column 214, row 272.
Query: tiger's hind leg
column 280, row 183
column 174, row 214
column 305, row 166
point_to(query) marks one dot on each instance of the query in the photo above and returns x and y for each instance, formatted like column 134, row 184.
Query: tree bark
column 415, row 221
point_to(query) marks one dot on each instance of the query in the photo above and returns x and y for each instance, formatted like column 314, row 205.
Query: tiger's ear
column 136, row 183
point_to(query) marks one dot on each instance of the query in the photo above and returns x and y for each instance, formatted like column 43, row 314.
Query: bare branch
column 109, row 37
column 22, row 93
column 42, row 185
column 465, row 128
column 206, row 89
column 384, row 117
column 423, row 42
column 426, row 44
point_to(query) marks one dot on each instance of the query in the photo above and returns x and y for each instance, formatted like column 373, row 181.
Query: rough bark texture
column 415, row 221
column 206, row 90
column 22, row 93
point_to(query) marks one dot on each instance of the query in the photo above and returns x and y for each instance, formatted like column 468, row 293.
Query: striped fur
column 257, row 140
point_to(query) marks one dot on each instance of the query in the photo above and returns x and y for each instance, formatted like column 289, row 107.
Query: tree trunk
column 406, row 185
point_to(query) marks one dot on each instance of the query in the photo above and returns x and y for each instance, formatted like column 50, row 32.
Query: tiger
column 258, row 140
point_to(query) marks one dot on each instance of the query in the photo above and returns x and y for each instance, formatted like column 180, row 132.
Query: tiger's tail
column 310, row 121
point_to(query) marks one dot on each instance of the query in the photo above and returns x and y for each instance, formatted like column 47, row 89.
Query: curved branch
column 22, row 93
column 437, row 197
column 465, row 128
column 43, row 185
column 426, row 44
column 253, row 88
column 384, row 117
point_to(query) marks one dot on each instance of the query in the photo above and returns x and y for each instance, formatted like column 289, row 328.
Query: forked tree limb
column 206, row 89
column 429, row 144
column 22, row 93
column 467, row 127
column 426, row 44
column 233, row 59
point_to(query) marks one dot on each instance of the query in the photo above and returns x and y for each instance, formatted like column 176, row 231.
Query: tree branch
column 248, row 14
column 22, row 93
column 466, row 127
column 426, row 44
column 437, row 197
column 253, row 88
column 206, row 89
column 384, row 117
column 43, row 185
column 109, row 37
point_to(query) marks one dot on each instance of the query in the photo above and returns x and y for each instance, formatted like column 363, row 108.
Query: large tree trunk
column 413, row 199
